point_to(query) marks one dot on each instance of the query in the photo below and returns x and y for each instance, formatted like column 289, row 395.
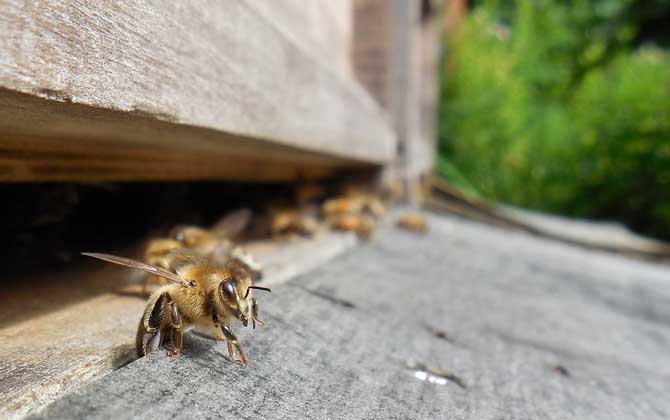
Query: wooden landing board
column 59, row 331
column 466, row 322
column 199, row 85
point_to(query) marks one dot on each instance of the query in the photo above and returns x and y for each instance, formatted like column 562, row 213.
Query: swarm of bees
column 210, row 284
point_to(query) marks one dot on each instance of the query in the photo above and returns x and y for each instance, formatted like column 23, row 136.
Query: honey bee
column 214, row 243
column 206, row 241
column 357, row 211
column 155, row 253
column 288, row 222
column 202, row 294
column 341, row 205
column 362, row 224
column 354, row 202
column 283, row 220
column 414, row 222
column 243, row 257
column 308, row 192
column 393, row 189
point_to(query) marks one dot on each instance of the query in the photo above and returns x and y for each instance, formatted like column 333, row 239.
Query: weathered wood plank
column 221, row 66
column 55, row 141
column 533, row 328
column 321, row 28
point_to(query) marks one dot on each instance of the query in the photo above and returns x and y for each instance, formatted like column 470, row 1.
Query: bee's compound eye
column 229, row 290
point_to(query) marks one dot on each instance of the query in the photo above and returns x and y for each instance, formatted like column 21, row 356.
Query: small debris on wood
column 436, row 376
column 414, row 222
column 439, row 334
column 561, row 370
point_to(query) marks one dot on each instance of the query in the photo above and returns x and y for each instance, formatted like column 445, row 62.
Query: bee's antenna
column 267, row 289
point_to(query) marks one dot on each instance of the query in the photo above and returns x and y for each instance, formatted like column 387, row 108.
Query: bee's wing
column 233, row 223
column 182, row 256
column 140, row 266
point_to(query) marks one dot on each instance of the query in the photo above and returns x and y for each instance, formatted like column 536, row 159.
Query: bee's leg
column 146, row 342
column 254, row 314
column 149, row 334
column 232, row 342
column 176, row 323
column 231, row 351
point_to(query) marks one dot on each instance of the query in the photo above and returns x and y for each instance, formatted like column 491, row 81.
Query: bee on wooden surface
column 355, row 211
column 215, row 243
column 355, row 200
column 374, row 206
column 393, row 189
column 341, row 205
column 361, row 224
column 247, row 261
column 415, row 222
column 156, row 249
column 286, row 221
column 309, row 192
column 206, row 241
column 202, row 294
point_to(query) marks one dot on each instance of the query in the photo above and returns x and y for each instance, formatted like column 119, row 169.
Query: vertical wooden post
column 404, row 93
column 394, row 55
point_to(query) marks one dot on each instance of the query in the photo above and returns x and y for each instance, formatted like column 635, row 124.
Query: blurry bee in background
column 415, row 222
column 363, row 225
column 357, row 211
column 355, row 199
column 220, row 236
column 393, row 190
column 247, row 261
column 203, row 294
column 341, row 205
column 155, row 253
column 286, row 221
column 309, row 192
column 156, row 249
column 215, row 243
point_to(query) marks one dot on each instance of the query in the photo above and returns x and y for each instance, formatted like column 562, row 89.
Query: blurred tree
column 562, row 106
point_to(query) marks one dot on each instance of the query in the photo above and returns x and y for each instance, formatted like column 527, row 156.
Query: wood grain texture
column 221, row 66
column 54, row 141
column 321, row 28
column 504, row 311
column 394, row 56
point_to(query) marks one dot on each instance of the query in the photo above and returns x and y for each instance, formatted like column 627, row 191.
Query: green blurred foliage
column 559, row 106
